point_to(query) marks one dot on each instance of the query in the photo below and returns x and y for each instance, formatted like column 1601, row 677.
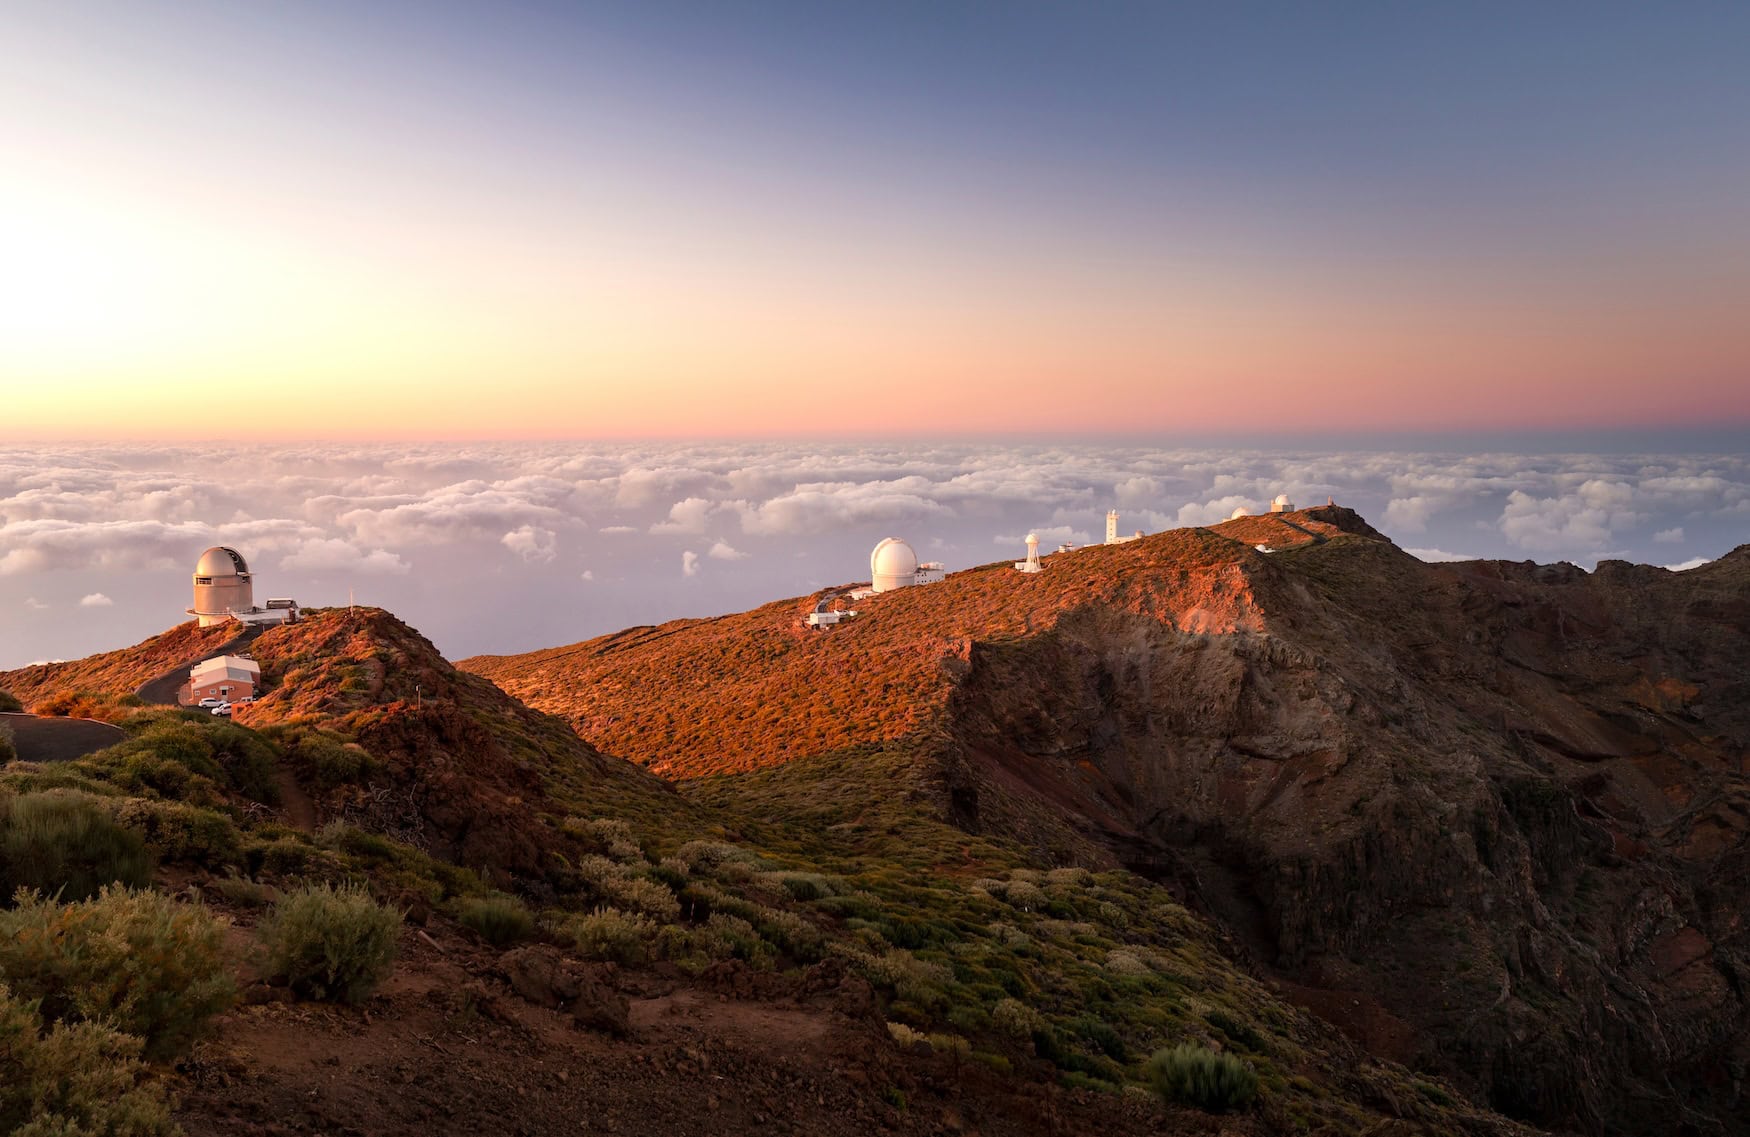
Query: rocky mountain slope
column 1488, row 817
column 809, row 948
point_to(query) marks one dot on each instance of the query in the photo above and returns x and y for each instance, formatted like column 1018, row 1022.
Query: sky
column 507, row 547
column 410, row 223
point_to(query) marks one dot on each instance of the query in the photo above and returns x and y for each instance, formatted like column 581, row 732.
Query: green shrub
column 184, row 833
column 9, row 704
column 499, row 920
column 66, row 841
column 612, row 935
column 636, row 894
column 1242, row 1033
column 1194, row 1075
column 74, row 1080
column 138, row 961
column 731, row 937
column 329, row 761
column 331, row 943
column 8, row 751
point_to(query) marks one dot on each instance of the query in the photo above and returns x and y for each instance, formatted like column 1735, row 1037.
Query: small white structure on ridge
column 1031, row 564
column 828, row 619
column 1239, row 512
column 1112, row 537
column 1282, row 504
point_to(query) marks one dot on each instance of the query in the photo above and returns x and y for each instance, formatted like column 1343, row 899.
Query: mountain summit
column 1489, row 817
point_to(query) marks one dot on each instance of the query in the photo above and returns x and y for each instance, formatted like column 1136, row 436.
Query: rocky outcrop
column 1505, row 803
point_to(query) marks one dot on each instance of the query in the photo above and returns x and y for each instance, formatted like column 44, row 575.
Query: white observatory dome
column 1282, row 504
column 221, row 561
column 892, row 565
column 221, row 586
column 1239, row 512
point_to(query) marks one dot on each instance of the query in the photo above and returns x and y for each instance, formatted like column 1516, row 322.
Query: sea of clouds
column 510, row 547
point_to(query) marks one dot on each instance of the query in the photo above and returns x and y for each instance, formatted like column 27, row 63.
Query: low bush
column 138, row 961
column 73, row 1080
column 66, row 842
column 499, row 920
column 1194, row 1075
column 331, row 943
column 611, row 935
column 9, row 704
column 183, row 833
column 8, row 751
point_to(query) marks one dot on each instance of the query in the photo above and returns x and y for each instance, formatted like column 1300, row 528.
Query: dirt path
column 52, row 739
column 162, row 689
column 295, row 804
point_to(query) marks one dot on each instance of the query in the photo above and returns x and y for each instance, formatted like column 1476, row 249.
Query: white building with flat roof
column 228, row 677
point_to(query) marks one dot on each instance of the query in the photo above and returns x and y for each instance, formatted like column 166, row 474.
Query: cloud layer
column 507, row 547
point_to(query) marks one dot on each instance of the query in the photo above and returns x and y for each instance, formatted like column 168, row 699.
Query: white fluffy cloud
column 328, row 556
column 532, row 543
column 689, row 516
column 95, row 600
column 689, row 563
column 1212, row 512
column 767, row 518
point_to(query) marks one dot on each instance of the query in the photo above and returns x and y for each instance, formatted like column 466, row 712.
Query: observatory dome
column 221, row 561
column 1282, row 504
column 221, row 586
column 1239, row 512
column 892, row 565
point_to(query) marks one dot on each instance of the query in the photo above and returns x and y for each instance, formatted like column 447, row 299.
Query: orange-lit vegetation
column 740, row 692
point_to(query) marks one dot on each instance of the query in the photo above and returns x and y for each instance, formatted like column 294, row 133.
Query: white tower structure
column 893, row 564
column 221, row 586
column 1111, row 526
column 1031, row 564
column 1282, row 504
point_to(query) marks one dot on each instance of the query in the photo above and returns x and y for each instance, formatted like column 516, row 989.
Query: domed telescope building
column 894, row 564
column 225, row 590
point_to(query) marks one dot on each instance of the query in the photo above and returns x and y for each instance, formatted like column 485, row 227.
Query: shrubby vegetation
column 1194, row 1075
column 136, row 961
column 331, row 943
column 73, row 1079
column 499, row 920
column 66, row 842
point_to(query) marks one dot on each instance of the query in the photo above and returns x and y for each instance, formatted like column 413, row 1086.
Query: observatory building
column 893, row 564
column 224, row 590
column 1031, row 564
column 1112, row 537
column 221, row 586
column 1282, row 504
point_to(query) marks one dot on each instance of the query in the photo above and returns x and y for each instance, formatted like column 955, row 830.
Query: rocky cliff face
column 1491, row 817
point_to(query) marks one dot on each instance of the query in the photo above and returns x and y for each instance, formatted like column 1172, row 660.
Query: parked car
column 244, row 699
column 223, row 709
column 209, row 703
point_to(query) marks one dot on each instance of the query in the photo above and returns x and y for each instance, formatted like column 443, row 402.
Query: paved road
column 162, row 690
column 49, row 739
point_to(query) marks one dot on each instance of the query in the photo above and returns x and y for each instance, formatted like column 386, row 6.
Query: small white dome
column 893, row 564
column 1032, row 538
column 1282, row 499
column 1239, row 512
column 221, row 561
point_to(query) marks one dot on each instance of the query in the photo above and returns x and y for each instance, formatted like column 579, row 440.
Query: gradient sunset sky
column 519, row 220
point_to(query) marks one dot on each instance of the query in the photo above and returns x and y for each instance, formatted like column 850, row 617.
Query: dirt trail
column 298, row 810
